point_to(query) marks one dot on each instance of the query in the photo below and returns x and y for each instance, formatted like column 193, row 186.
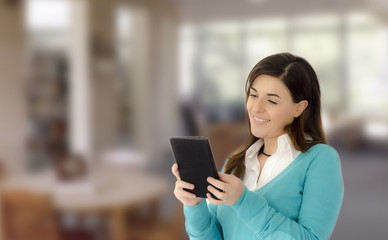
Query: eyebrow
column 268, row 94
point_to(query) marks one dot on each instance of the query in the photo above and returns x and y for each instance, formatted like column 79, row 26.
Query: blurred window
column 264, row 37
column 217, row 57
column 220, row 62
column 367, row 48
column 46, row 15
column 317, row 38
column 186, row 56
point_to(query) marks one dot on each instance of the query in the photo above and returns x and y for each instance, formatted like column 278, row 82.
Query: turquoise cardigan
column 302, row 202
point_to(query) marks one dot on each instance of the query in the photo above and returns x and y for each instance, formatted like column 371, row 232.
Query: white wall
column 13, row 125
column 80, row 83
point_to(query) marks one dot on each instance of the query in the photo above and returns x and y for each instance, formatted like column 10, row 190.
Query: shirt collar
column 254, row 148
column 250, row 155
column 285, row 147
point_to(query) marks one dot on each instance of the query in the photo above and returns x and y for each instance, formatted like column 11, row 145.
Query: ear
column 300, row 107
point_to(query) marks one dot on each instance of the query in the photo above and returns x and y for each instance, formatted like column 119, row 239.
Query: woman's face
column 270, row 107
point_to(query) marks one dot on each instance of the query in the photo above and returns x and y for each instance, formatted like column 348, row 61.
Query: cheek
column 248, row 105
column 248, row 108
column 283, row 117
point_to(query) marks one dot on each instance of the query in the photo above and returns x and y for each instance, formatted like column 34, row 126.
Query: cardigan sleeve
column 321, row 203
column 201, row 221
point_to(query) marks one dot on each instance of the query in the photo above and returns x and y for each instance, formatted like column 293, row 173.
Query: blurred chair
column 71, row 167
column 83, row 227
column 152, row 226
column 28, row 215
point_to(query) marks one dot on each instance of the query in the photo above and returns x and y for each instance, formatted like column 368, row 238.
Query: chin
column 258, row 134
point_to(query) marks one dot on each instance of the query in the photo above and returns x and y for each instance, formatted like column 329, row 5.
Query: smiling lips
column 260, row 121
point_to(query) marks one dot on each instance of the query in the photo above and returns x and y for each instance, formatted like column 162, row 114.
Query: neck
column 270, row 145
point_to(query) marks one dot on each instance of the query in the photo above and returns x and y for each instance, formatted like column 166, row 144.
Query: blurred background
column 91, row 92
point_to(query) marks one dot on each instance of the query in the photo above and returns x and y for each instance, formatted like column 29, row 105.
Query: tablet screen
column 195, row 162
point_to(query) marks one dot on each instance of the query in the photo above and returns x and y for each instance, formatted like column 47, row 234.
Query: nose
column 258, row 106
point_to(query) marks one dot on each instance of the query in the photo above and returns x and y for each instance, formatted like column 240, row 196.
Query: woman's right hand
column 188, row 199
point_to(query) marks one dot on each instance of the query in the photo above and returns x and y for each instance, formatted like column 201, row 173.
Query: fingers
column 181, row 187
column 230, row 189
column 220, row 192
column 217, row 183
column 174, row 170
column 180, row 193
column 213, row 200
column 181, row 184
column 220, row 195
column 179, row 190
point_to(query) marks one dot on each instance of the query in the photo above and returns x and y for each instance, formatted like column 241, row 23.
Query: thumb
column 175, row 171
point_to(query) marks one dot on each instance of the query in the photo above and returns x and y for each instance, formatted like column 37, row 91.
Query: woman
column 285, row 183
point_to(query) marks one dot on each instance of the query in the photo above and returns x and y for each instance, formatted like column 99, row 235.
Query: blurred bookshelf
column 47, row 107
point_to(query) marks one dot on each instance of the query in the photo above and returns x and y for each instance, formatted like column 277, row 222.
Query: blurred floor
column 364, row 213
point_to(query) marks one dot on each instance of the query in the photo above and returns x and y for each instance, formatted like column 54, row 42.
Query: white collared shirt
column 275, row 164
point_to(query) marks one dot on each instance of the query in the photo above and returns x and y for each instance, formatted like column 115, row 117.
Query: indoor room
column 92, row 90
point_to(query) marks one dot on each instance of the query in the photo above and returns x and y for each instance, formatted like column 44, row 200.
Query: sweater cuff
column 196, row 213
column 197, row 218
column 246, row 202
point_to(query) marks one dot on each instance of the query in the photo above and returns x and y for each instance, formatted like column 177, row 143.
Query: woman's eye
column 272, row 102
column 253, row 95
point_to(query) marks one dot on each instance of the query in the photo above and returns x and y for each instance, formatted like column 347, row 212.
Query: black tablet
column 195, row 162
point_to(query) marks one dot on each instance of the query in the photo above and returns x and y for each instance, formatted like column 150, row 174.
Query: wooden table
column 111, row 192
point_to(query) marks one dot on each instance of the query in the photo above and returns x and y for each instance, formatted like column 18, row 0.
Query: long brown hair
column 301, row 80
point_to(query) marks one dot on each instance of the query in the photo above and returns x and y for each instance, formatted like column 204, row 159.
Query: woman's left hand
column 232, row 189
